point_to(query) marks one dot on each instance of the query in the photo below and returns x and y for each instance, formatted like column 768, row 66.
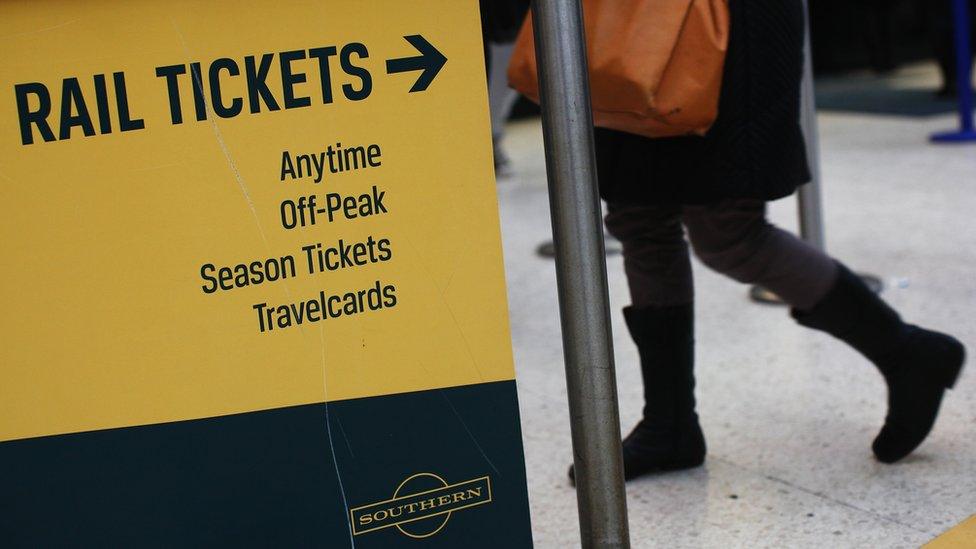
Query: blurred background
column 789, row 414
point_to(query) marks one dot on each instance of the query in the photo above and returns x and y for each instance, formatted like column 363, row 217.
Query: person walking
column 941, row 30
column 715, row 188
column 500, row 23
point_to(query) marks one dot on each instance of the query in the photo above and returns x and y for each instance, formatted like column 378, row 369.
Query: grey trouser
column 731, row 236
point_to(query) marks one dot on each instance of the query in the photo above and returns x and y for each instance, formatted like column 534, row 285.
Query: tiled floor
column 789, row 413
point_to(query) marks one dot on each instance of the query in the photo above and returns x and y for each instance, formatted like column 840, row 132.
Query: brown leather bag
column 655, row 65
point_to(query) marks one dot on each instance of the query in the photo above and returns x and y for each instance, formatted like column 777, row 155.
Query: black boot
column 668, row 437
column 918, row 364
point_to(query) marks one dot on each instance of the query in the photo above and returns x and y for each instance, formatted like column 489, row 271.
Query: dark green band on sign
column 443, row 466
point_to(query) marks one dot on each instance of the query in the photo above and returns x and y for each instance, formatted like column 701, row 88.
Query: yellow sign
column 252, row 278
column 214, row 208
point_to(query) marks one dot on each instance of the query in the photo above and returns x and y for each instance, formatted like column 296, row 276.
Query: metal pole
column 581, row 272
column 809, row 199
column 964, row 76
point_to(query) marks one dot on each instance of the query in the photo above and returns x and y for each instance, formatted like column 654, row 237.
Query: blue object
column 960, row 14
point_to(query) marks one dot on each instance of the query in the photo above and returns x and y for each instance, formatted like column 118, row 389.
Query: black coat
column 754, row 150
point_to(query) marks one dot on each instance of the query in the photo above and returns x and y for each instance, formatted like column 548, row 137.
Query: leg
column 941, row 29
column 501, row 98
column 918, row 365
column 655, row 254
column 661, row 323
column 734, row 238
column 878, row 35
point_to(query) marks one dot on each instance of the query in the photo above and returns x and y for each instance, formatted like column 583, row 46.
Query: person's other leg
column 938, row 22
column 941, row 30
column 733, row 237
column 501, row 99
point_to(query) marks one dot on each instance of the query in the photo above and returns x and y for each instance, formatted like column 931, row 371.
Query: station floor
column 789, row 414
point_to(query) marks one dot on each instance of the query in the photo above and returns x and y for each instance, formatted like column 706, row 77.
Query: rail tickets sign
column 252, row 278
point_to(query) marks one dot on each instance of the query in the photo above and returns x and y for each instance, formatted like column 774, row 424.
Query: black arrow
column 430, row 61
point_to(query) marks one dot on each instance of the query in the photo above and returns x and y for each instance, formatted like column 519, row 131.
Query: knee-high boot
column 668, row 437
column 917, row 364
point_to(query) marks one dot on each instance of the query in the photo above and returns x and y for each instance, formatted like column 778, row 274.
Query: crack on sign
column 231, row 164
column 158, row 167
column 328, row 428
column 342, row 430
column 250, row 203
column 470, row 434
column 223, row 145
column 38, row 31
column 450, row 311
